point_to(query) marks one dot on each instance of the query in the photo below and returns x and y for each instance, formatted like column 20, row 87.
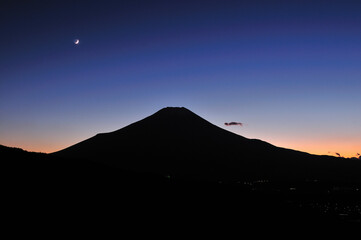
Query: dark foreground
column 48, row 194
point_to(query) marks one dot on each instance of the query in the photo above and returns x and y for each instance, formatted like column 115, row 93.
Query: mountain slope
column 177, row 142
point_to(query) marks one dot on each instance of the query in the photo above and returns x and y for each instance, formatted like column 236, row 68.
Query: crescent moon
column 76, row 41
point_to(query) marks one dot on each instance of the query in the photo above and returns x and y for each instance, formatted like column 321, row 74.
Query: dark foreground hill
column 178, row 143
column 83, row 193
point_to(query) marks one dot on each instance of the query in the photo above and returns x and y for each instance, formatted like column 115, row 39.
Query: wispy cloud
column 233, row 123
column 336, row 153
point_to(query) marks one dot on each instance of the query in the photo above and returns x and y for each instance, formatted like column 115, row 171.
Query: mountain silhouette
column 171, row 164
column 179, row 144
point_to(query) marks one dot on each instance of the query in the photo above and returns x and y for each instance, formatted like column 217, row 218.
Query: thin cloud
column 336, row 153
column 234, row 123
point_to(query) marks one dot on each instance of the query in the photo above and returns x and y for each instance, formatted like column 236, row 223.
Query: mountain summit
column 175, row 141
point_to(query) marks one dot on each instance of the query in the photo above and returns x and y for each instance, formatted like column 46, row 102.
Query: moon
column 76, row 41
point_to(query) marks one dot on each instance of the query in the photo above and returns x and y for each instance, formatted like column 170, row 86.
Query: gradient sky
column 289, row 70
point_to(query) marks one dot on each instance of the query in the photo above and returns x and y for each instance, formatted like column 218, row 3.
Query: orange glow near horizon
column 346, row 149
column 327, row 147
column 48, row 147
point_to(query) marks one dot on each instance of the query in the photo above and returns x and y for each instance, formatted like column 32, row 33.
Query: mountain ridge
column 176, row 141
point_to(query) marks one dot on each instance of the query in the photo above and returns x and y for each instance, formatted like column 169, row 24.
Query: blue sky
column 289, row 70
